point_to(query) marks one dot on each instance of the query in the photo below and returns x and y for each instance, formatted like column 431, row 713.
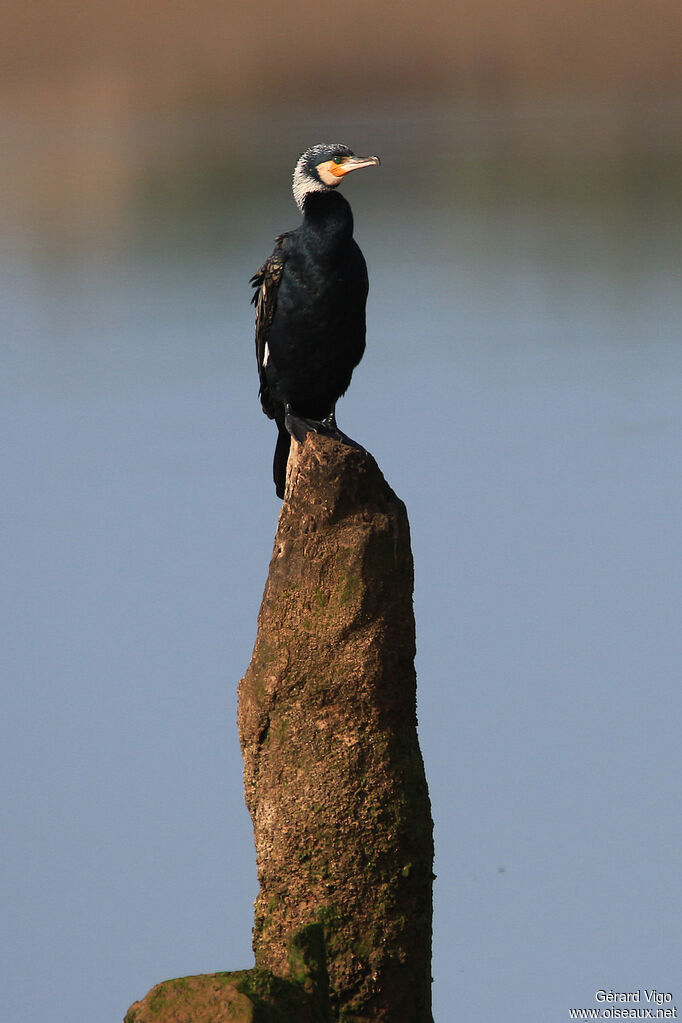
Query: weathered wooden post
column 333, row 774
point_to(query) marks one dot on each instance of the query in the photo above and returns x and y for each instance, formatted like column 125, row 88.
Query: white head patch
column 305, row 182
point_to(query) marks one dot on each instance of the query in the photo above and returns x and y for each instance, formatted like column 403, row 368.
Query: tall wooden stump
column 333, row 774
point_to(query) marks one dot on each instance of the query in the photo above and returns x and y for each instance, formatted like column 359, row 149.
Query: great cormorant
column 310, row 305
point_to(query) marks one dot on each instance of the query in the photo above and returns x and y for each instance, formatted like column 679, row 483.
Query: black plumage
column 310, row 305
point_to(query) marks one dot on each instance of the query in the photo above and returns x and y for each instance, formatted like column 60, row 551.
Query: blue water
column 521, row 391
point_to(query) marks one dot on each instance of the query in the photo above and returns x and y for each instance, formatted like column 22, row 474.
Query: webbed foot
column 332, row 430
column 299, row 427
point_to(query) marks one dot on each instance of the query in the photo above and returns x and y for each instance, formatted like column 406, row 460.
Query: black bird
column 310, row 306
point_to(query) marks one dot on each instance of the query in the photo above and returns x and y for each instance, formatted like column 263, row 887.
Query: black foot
column 299, row 427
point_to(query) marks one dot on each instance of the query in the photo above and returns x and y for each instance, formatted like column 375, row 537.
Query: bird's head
column 323, row 167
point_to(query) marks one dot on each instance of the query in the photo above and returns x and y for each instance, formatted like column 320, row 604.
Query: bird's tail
column 279, row 465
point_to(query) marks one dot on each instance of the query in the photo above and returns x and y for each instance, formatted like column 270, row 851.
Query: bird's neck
column 328, row 216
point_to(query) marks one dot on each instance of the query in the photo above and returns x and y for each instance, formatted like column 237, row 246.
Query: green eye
column 338, row 159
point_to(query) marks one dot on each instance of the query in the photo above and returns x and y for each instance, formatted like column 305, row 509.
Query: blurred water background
column 521, row 391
